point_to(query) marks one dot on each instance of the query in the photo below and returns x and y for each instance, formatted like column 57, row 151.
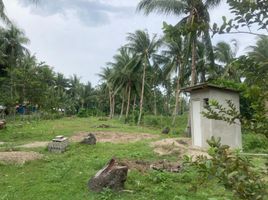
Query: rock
column 112, row 176
column 166, row 130
column 2, row 123
column 89, row 139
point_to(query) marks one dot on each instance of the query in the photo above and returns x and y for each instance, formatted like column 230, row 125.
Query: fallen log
column 112, row 176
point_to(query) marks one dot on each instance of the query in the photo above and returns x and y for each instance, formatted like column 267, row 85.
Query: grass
column 65, row 176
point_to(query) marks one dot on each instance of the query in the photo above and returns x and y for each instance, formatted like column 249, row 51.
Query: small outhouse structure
column 203, row 128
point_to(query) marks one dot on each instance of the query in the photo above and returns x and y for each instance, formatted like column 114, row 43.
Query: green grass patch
column 65, row 176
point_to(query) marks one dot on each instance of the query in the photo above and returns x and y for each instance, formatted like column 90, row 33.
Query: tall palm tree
column 3, row 15
column 107, row 76
column 117, row 77
column 12, row 43
column 175, row 63
column 225, row 54
column 143, row 47
column 195, row 24
column 259, row 54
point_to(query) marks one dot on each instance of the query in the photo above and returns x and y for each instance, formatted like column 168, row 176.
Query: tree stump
column 111, row 176
column 89, row 139
column 2, row 123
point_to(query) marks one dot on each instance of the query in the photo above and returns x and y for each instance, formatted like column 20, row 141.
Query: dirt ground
column 178, row 146
column 114, row 137
column 19, row 157
column 142, row 166
column 34, row 145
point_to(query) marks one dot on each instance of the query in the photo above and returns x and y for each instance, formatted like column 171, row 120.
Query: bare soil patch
column 114, row 137
column 19, row 157
column 179, row 146
column 142, row 166
column 34, row 145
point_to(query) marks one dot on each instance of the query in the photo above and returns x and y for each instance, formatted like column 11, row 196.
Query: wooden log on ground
column 112, row 176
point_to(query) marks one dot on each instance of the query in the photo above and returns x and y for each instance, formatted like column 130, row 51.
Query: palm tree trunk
column 155, row 108
column 122, row 107
column 142, row 90
column 113, row 105
column 110, row 98
column 177, row 98
column 193, row 82
column 128, row 100
column 134, row 103
column 193, row 71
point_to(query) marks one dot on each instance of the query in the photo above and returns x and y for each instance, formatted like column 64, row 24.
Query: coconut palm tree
column 3, row 15
column 194, row 25
column 107, row 76
column 259, row 54
column 225, row 54
column 12, row 42
column 172, row 59
column 143, row 48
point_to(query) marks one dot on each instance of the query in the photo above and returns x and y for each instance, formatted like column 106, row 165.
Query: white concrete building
column 203, row 128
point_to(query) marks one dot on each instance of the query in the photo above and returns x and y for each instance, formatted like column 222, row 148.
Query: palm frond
column 162, row 6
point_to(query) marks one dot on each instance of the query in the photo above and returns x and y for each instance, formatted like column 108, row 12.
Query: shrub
column 255, row 142
column 231, row 169
column 83, row 113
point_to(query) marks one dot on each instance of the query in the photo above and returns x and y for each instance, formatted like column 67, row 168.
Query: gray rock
column 89, row 139
column 166, row 130
column 112, row 176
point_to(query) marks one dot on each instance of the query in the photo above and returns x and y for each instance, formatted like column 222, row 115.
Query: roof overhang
column 207, row 85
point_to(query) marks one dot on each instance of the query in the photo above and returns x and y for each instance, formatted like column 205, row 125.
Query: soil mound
column 19, row 157
column 178, row 146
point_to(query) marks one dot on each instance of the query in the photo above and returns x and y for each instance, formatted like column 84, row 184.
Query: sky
column 81, row 36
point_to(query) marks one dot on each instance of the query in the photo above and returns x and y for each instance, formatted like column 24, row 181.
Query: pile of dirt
column 19, row 157
column 34, row 145
column 103, row 126
column 142, row 166
column 177, row 146
column 114, row 137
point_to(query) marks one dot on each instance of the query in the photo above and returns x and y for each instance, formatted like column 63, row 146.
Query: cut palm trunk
column 112, row 176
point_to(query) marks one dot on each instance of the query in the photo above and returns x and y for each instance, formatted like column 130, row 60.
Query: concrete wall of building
column 230, row 134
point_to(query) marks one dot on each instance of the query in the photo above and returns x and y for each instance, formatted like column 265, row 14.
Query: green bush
column 255, row 143
column 233, row 170
column 83, row 113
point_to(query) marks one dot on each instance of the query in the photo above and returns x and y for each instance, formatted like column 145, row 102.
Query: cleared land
column 152, row 174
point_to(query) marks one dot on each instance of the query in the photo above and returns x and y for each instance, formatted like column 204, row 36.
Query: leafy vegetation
column 65, row 176
column 231, row 169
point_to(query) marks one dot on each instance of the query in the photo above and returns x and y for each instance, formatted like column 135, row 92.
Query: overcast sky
column 80, row 36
